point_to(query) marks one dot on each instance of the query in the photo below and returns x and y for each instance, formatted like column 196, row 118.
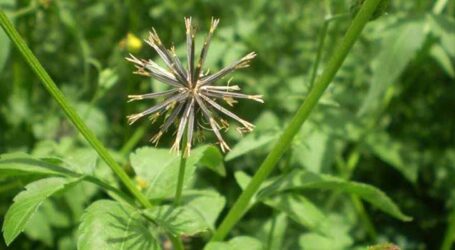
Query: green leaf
column 243, row 180
column 111, row 225
column 28, row 201
column 82, row 160
column 237, row 243
column 335, row 235
column 310, row 241
column 14, row 164
column 250, row 143
column 384, row 246
column 443, row 27
column 298, row 208
column 313, row 148
column 400, row 156
column 207, row 203
column 159, row 168
column 441, row 57
column 301, row 179
column 39, row 228
column 178, row 220
column 273, row 232
column 213, row 160
column 399, row 46
column 106, row 80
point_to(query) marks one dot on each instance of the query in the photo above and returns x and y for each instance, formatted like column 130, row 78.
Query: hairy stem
column 70, row 112
column 240, row 206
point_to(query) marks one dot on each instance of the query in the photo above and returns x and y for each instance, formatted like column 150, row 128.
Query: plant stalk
column 70, row 112
column 181, row 177
column 321, row 41
column 240, row 206
column 449, row 237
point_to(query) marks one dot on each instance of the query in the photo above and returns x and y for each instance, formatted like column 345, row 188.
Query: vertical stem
column 449, row 237
column 240, row 206
column 181, row 177
column 321, row 41
column 176, row 242
column 133, row 140
column 319, row 52
column 364, row 217
column 70, row 112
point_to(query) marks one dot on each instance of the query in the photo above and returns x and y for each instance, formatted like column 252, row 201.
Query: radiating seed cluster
column 193, row 93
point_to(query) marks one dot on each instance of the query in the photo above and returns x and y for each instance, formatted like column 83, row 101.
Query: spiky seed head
column 192, row 93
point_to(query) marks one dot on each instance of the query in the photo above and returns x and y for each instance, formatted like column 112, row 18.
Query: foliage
column 371, row 168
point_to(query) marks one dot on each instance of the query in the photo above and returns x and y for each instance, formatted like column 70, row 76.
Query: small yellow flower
column 133, row 43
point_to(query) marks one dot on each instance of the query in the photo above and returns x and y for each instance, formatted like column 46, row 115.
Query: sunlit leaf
column 402, row 157
column 237, row 243
column 28, row 201
column 14, row 164
column 159, row 168
column 301, row 179
column 298, row 208
column 178, row 220
column 110, row 225
column 399, row 46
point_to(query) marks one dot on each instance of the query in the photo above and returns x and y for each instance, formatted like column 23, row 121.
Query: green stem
column 133, row 141
column 240, row 206
column 319, row 52
column 26, row 10
column 176, row 242
column 449, row 237
column 71, row 113
column 178, row 191
column 364, row 217
column 321, row 41
column 439, row 6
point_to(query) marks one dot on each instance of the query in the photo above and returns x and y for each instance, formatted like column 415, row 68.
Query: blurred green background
column 388, row 119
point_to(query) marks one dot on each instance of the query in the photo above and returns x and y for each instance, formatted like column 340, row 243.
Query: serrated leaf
column 237, row 243
column 14, row 164
column 208, row 204
column 296, row 207
column 178, row 220
column 301, row 179
column 28, row 201
column 109, row 225
column 159, row 168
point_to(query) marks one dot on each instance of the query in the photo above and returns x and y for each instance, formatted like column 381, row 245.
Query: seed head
column 192, row 92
